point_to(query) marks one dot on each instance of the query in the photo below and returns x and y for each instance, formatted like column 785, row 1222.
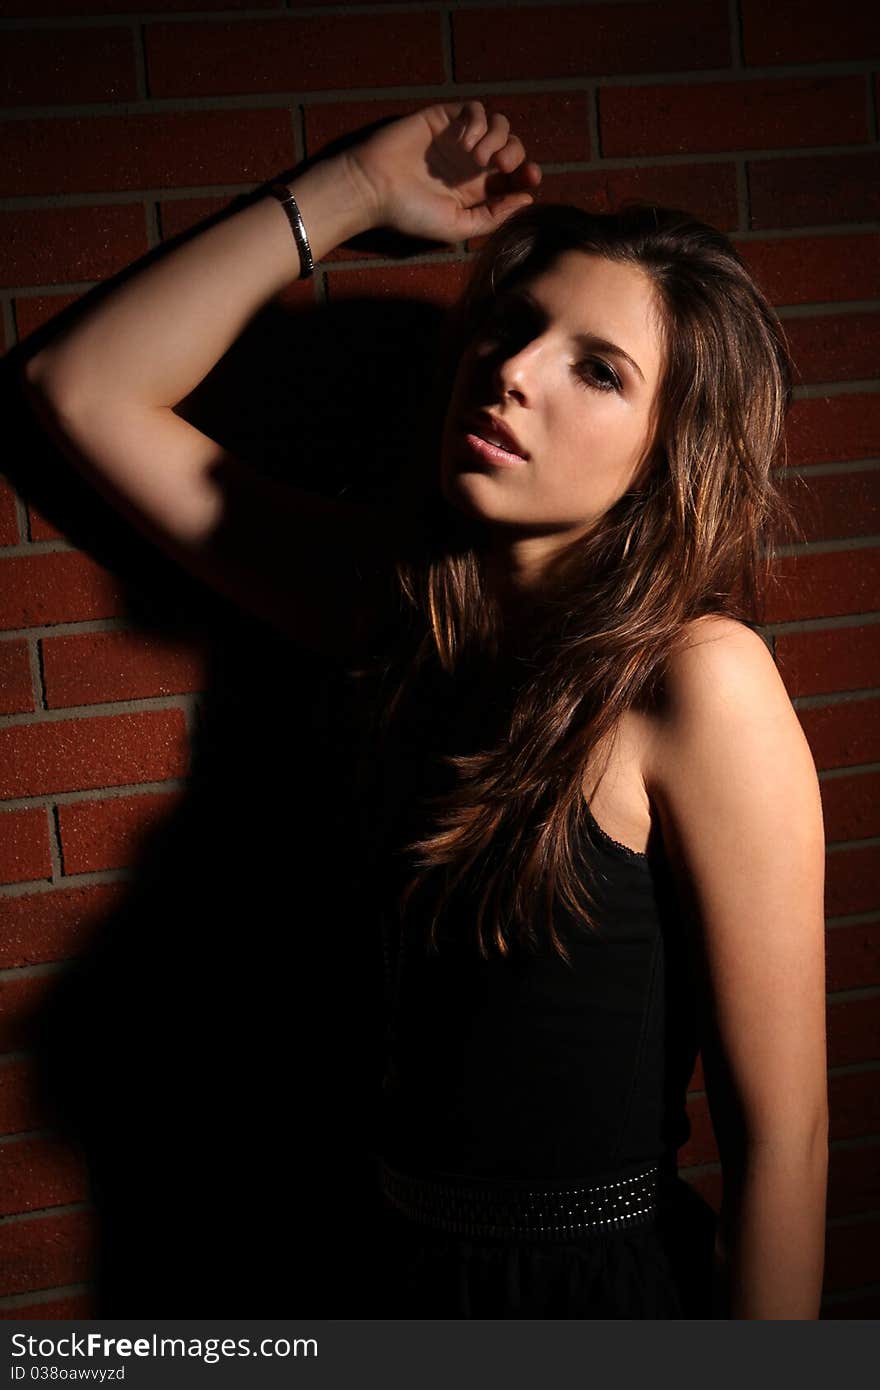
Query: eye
column 596, row 373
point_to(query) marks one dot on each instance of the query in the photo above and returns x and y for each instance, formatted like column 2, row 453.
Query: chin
column 462, row 491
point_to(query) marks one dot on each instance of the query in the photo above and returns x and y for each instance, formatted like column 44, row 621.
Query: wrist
column 334, row 207
column 365, row 192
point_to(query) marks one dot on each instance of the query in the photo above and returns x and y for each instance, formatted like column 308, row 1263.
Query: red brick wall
column 761, row 118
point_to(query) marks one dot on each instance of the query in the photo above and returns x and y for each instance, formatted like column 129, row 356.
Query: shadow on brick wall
column 216, row 1050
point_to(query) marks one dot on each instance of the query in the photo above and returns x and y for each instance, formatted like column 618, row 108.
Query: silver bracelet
column 294, row 217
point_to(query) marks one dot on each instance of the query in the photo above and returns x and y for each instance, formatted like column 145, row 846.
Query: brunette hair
column 694, row 535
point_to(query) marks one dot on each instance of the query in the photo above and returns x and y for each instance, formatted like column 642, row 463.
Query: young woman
column 591, row 820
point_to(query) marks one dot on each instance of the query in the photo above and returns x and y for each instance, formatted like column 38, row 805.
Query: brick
column 101, row 751
column 834, row 506
column 31, row 9
column 697, row 1081
column 40, row 527
column 57, row 924
column 162, row 149
column 16, row 682
column 24, row 845
column 20, row 1106
column 853, row 1031
column 852, row 881
column 8, row 515
column 585, row 40
column 63, row 586
column 22, row 999
column 294, row 54
column 706, row 117
column 108, row 834
column 824, row 584
column 853, row 1180
column 708, row 191
column 814, row 190
column 853, row 1105
column 851, row 1255
column 44, row 1252
column 701, row 1146
column 861, row 1306
column 43, row 245
column 439, row 284
column 804, row 31
column 843, row 734
column 32, row 311
column 51, row 67
column 822, row 661
column 852, row 956
column 815, row 270
column 45, row 1171
column 851, row 806
column 81, row 1305
column 835, row 347
column 829, row 429
column 87, row 668
column 554, row 129
column 178, row 215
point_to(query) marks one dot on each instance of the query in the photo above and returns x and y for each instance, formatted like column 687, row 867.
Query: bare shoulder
column 725, row 734
column 718, row 660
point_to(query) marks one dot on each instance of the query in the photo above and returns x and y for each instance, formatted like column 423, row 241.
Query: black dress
column 523, row 1068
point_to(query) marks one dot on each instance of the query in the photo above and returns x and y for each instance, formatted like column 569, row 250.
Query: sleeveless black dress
column 523, row 1068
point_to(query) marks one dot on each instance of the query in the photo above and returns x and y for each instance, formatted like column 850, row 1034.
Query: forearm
column 772, row 1235
column 152, row 339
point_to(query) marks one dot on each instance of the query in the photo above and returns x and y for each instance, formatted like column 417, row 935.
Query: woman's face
column 551, row 364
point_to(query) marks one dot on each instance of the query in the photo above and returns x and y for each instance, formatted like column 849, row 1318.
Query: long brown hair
column 695, row 535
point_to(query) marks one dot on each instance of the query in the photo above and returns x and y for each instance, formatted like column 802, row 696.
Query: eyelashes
column 609, row 382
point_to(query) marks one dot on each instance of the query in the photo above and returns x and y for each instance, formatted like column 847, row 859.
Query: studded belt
column 527, row 1211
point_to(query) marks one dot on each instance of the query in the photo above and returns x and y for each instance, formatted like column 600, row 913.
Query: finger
column 492, row 214
column 530, row 173
column 511, row 155
column 497, row 131
column 476, row 125
column 527, row 175
column 500, row 184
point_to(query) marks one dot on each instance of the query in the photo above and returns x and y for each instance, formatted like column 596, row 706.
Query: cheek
column 596, row 459
column 612, row 433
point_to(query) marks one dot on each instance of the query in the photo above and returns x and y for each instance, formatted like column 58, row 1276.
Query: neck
column 521, row 571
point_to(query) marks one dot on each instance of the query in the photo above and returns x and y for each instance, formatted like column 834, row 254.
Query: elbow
column 47, row 383
column 35, row 371
column 797, row 1143
column 795, row 1149
column 36, row 378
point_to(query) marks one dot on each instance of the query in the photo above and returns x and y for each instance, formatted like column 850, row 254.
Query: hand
column 446, row 173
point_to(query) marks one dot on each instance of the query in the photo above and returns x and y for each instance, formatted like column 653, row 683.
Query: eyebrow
column 584, row 340
column 590, row 340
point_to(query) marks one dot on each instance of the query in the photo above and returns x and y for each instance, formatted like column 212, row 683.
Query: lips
column 494, row 431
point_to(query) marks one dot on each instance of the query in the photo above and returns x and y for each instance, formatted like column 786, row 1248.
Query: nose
column 514, row 373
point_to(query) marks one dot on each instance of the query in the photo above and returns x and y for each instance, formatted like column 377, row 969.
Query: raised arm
column 105, row 391
column 106, row 388
column 735, row 785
